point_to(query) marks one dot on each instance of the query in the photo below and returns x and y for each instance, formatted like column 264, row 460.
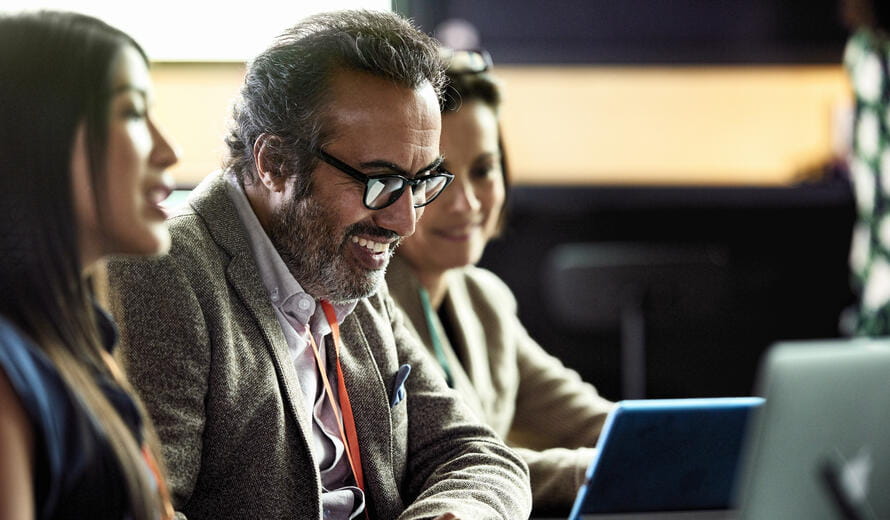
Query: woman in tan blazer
column 466, row 315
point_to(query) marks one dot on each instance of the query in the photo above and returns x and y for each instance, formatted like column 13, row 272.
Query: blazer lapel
column 367, row 394
column 239, row 273
column 210, row 200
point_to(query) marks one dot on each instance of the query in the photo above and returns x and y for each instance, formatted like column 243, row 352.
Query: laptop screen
column 819, row 448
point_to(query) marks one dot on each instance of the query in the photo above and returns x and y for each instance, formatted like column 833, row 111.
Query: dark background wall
column 644, row 31
column 717, row 273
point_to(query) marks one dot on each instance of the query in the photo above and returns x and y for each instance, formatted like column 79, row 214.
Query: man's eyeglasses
column 383, row 190
column 466, row 61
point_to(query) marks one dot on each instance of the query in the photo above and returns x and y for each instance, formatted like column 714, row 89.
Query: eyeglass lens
column 384, row 191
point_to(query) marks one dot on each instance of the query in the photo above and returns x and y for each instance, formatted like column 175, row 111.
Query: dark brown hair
column 465, row 86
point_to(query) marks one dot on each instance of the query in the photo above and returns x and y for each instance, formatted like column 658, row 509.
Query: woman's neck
column 435, row 284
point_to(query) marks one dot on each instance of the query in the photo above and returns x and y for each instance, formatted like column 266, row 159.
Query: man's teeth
column 377, row 247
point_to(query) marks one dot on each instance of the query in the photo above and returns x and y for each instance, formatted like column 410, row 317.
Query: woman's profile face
column 457, row 225
column 136, row 157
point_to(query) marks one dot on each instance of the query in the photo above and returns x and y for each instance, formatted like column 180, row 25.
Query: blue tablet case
column 666, row 455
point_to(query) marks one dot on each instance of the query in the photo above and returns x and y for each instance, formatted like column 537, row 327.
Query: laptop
column 666, row 455
column 819, row 448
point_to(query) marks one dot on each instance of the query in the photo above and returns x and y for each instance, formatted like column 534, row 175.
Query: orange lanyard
column 166, row 504
column 348, row 434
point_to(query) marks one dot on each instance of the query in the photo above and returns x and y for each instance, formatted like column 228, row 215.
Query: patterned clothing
column 866, row 60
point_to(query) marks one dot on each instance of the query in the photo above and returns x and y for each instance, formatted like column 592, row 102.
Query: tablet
column 666, row 455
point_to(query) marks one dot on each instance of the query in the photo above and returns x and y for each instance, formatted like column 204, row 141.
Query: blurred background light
column 177, row 30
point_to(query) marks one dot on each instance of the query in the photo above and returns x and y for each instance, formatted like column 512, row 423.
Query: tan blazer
column 545, row 411
column 202, row 345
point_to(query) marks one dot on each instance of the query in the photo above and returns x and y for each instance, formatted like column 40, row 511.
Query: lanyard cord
column 348, row 433
column 437, row 343
column 167, row 512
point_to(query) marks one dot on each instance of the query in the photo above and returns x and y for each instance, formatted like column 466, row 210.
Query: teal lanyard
column 437, row 344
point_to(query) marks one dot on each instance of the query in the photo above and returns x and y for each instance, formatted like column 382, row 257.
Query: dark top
column 76, row 474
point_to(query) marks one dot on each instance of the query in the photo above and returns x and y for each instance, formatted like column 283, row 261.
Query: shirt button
column 303, row 304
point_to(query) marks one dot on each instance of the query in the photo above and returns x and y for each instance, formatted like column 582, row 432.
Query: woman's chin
column 163, row 242
column 155, row 240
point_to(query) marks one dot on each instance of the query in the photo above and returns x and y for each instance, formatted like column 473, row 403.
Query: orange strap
column 348, row 433
column 166, row 504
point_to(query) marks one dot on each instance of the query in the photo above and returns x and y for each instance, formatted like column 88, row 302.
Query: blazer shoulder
column 186, row 230
column 483, row 285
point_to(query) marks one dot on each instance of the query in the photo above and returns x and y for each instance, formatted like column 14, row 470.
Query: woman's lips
column 458, row 234
column 155, row 197
column 158, row 194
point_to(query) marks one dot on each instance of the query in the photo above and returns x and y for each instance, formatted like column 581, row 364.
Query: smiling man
column 282, row 381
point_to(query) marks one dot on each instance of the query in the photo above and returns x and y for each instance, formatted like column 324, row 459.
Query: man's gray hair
column 286, row 88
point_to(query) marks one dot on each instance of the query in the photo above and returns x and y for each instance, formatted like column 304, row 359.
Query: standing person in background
column 268, row 352
column 81, row 176
column 866, row 59
column 466, row 316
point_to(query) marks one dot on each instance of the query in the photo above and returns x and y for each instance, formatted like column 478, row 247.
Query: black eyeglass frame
column 367, row 179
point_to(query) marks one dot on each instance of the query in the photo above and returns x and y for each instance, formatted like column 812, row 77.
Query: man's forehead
column 369, row 111
column 355, row 94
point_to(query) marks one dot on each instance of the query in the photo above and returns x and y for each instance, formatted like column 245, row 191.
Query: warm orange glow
column 652, row 125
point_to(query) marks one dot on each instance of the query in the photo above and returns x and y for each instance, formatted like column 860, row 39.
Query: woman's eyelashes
column 484, row 169
column 136, row 114
column 132, row 105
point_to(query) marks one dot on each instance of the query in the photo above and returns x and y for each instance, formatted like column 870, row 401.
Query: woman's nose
column 463, row 196
column 163, row 154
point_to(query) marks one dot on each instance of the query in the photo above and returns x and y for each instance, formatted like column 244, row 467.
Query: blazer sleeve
column 165, row 352
column 455, row 463
column 558, row 418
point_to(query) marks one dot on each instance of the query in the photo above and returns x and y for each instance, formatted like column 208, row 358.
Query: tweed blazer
column 545, row 411
column 201, row 344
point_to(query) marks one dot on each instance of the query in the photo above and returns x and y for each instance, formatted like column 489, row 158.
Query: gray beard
column 303, row 234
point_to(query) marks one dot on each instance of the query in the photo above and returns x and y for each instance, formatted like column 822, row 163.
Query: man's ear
column 267, row 161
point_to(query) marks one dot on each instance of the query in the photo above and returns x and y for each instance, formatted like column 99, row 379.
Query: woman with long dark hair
column 81, row 176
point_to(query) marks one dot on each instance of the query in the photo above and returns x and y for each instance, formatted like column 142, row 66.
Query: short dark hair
column 464, row 87
column 470, row 86
column 286, row 88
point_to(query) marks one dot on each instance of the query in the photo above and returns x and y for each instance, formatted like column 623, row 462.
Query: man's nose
column 400, row 216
